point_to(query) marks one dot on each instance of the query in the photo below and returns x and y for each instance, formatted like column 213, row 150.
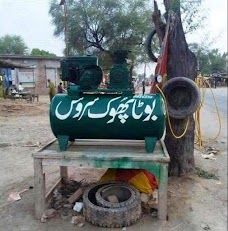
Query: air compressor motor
column 85, row 73
column 90, row 112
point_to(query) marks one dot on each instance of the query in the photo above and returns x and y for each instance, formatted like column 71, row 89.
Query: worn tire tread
column 110, row 217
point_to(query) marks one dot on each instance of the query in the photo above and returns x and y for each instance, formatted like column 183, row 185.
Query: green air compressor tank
column 108, row 116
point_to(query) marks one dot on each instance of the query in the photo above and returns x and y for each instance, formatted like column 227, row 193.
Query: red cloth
column 161, row 67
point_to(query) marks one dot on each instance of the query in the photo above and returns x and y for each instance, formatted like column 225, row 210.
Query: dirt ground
column 194, row 203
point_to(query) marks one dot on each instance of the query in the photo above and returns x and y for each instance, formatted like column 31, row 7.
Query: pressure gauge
column 159, row 78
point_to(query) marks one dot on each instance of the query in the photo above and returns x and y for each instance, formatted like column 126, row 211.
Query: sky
column 215, row 30
column 30, row 20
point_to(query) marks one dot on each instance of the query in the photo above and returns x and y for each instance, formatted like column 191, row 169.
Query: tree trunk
column 181, row 63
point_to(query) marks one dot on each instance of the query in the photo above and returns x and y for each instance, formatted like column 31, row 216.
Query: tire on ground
column 182, row 97
column 125, row 193
column 109, row 217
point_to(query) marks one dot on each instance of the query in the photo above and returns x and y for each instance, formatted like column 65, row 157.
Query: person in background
column 136, row 85
column 1, row 88
column 51, row 89
column 60, row 88
column 20, row 87
column 6, row 85
column 143, row 87
column 14, row 90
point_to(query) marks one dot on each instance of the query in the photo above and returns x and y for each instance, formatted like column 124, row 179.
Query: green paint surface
column 126, row 163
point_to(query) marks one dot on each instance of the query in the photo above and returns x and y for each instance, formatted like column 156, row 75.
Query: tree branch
column 159, row 25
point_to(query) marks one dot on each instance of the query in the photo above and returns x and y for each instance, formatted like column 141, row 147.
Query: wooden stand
column 128, row 154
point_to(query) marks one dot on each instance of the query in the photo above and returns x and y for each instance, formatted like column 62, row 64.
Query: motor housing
column 82, row 71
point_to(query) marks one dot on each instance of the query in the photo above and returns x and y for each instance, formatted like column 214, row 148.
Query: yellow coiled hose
column 202, row 84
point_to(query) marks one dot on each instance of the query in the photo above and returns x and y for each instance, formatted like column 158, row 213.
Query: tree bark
column 181, row 63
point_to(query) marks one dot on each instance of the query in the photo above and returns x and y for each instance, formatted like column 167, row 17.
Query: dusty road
column 221, row 99
column 194, row 202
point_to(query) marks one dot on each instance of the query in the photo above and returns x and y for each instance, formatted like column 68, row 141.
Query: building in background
column 32, row 71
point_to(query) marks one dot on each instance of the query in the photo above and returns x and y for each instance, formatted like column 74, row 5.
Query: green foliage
column 209, row 59
column 193, row 15
column 38, row 52
column 12, row 45
column 101, row 26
